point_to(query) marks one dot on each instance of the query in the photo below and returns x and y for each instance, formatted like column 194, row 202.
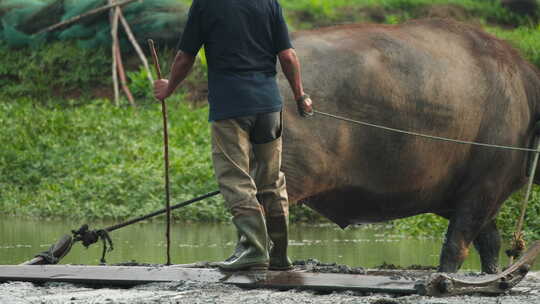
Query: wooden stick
column 114, row 34
column 166, row 152
column 155, row 57
column 122, row 74
column 136, row 46
column 79, row 17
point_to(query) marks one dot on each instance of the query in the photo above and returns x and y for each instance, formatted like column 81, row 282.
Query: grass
column 305, row 14
column 53, row 70
column 100, row 161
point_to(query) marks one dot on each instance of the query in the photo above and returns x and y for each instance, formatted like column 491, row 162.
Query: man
column 242, row 39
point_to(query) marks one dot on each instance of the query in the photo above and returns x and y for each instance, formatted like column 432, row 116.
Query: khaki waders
column 250, row 179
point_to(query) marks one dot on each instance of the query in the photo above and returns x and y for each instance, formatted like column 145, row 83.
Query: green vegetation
column 511, row 210
column 101, row 161
column 54, row 70
column 63, row 71
column 67, row 152
column 305, row 14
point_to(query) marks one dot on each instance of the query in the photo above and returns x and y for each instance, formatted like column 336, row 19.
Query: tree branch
column 79, row 17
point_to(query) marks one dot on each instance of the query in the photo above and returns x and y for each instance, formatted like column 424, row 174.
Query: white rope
column 424, row 135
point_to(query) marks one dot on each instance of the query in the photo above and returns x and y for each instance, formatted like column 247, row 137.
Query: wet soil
column 313, row 265
column 528, row 291
column 192, row 292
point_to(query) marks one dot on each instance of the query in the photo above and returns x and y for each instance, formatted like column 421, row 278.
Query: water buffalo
column 436, row 77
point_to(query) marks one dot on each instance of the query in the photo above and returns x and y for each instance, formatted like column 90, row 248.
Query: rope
column 89, row 237
column 529, row 186
column 518, row 243
column 424, row 135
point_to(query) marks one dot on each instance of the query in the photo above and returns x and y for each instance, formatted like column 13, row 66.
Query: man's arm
column 291, row 68
column 181, row 67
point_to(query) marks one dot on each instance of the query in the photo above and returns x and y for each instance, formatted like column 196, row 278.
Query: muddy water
column 22, row 239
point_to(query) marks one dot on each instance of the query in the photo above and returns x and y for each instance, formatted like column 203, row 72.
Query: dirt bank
column 527, row 291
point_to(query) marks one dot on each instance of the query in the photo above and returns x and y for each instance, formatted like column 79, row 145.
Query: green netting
column 15, row 14
column 102, row 37
column 16, row 38
column 77, row 32
column 7, row 5
column 76, row 7
column 161, row 20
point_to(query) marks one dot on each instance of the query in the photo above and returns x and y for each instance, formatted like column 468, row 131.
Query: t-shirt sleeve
column 281, row 32
column 193, row 37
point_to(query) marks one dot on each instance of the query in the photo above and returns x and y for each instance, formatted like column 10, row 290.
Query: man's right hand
column 161, row 89
column 305, row 106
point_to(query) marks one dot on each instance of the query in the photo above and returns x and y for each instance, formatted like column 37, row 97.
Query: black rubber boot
column 255, row 246
column 278, row 231
column 240, row 246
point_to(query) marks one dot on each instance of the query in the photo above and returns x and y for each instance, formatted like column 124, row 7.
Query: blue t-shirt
column 242, row 39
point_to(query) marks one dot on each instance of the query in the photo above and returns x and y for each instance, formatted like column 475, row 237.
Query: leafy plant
column 101, row 161
column 59, row 69
column 139, row 84
column 392, row 19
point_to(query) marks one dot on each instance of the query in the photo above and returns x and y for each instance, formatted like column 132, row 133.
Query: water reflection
column 22, row 239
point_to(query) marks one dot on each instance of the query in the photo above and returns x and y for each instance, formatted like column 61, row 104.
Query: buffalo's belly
column 349, row 206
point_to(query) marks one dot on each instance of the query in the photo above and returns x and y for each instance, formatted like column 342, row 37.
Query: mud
column 528, row 291
column 314, row 265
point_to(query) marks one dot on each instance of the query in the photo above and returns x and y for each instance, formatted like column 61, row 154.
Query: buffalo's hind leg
column 464, row 227
column 488, row 245
column 455, row 248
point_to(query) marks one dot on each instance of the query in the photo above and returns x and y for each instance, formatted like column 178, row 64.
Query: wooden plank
column 335, row 281
column 126, row 275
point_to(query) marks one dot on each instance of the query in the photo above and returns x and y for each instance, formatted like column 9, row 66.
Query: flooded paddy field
column 144, row 243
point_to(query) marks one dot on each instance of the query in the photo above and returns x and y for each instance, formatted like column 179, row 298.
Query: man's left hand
column 305, row 106
column 161, row 89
